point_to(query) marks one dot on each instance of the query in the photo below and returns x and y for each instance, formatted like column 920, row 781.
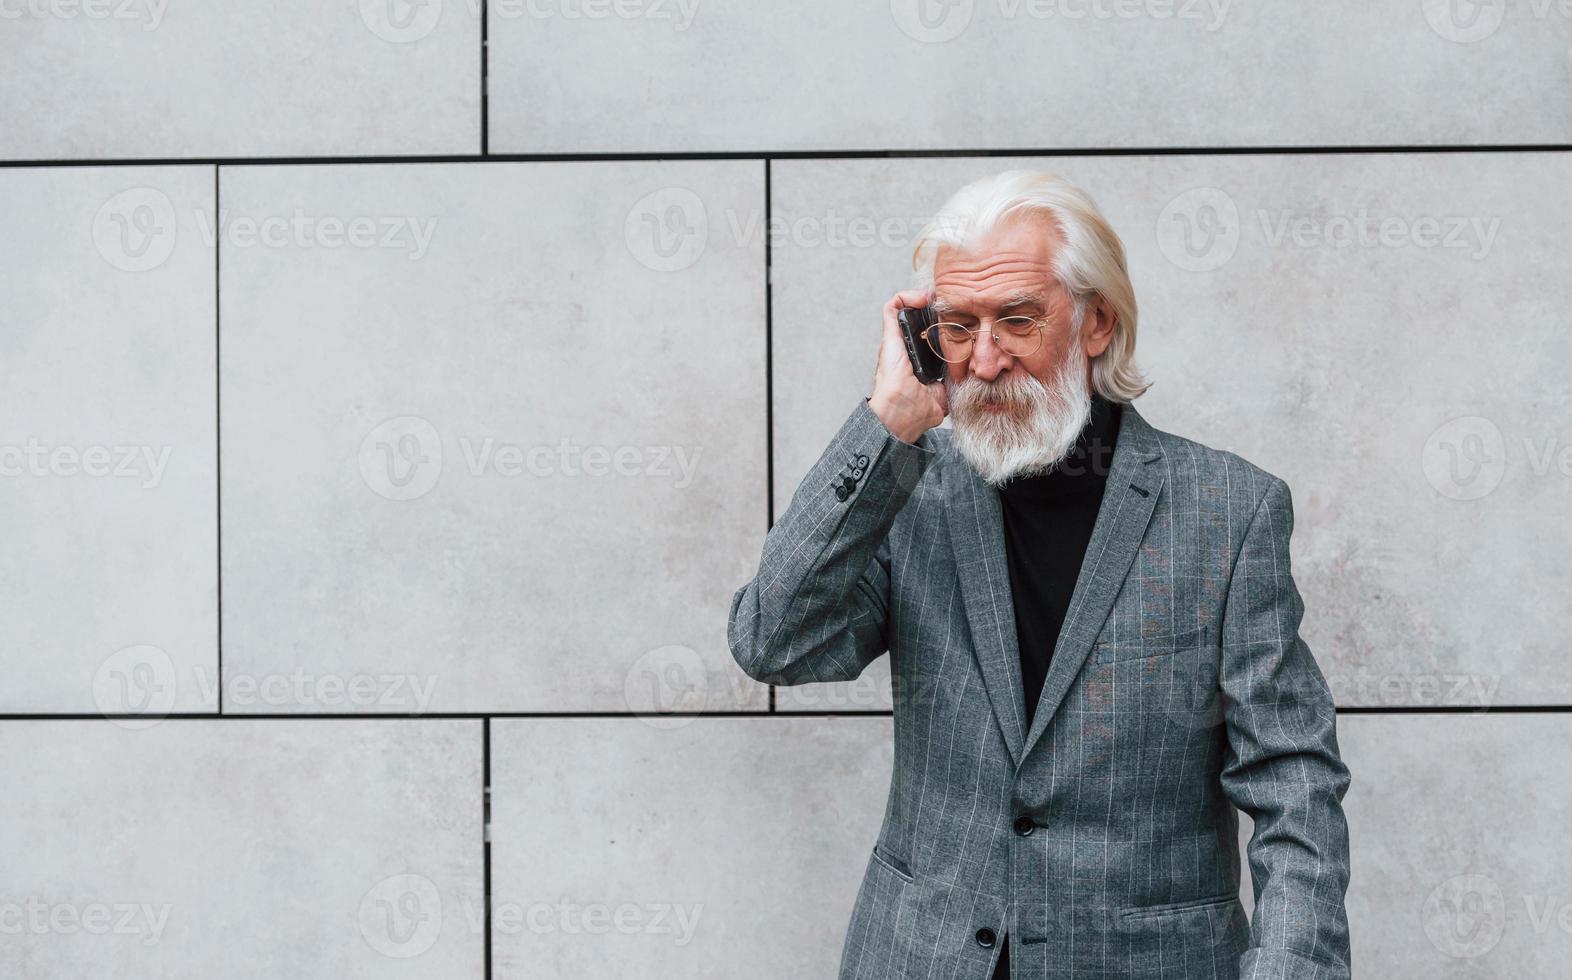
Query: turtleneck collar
column 1085, row 467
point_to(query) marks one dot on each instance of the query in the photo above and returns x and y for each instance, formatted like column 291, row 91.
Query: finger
column 892, row 343
column 914, row 299
column 941, row 393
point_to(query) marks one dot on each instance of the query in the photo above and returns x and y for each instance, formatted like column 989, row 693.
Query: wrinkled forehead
column 1010, row 267
column 967, row 305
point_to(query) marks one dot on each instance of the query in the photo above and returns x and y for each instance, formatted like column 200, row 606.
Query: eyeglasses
column 1018, row 336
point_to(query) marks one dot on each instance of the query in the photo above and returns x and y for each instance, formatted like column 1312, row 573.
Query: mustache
column 1015, row 392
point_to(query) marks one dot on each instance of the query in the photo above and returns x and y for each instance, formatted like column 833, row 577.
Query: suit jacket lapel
column 1128, row 502
column 977, row 539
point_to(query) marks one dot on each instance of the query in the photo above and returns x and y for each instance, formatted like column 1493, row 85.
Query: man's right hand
column 906, row 406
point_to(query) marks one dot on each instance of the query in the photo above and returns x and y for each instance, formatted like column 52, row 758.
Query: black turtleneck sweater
column 1048, row 522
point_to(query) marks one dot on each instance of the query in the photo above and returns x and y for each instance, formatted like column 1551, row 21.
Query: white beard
column 1037, row 429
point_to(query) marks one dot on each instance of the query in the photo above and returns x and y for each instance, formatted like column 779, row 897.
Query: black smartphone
column 927, row 365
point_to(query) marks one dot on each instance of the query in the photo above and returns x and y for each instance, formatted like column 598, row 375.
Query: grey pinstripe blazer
column 1104, row 840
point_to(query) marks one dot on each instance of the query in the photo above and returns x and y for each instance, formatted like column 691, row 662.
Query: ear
column 1097, row 333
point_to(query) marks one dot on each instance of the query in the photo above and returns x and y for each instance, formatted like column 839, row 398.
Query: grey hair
column 1090, row 265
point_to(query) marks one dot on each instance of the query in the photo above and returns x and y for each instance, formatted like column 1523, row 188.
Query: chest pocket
column 1202, row 639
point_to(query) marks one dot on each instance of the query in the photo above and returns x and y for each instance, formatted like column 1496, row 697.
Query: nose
column 988, row 361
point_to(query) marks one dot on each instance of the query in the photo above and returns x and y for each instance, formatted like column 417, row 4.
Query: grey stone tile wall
column 370, row 435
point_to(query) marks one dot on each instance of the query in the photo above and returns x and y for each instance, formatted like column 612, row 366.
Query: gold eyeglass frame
column 931, row 337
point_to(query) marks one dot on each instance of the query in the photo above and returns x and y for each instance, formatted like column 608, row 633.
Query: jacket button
column 1023, row 826
column 985, row 937
column 841, row 493
column 849, row 483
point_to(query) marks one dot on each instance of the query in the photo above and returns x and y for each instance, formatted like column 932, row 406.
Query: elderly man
column 1093, row 631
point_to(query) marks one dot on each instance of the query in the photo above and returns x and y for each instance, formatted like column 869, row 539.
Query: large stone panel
column 276, row 848
column 109, row 570
column 504, row 452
